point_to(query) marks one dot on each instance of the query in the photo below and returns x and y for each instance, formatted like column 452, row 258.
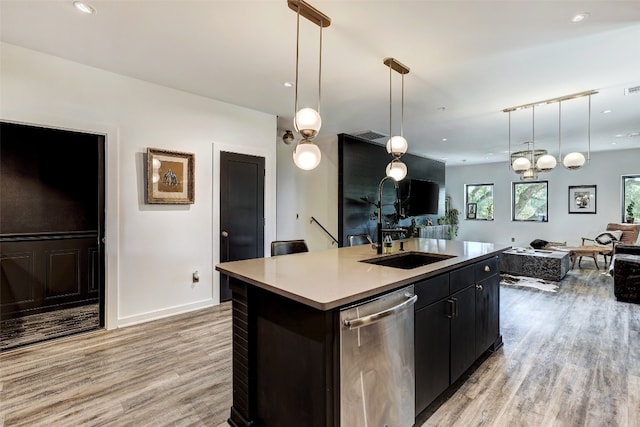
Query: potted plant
column 452, row 220
column 630, row 207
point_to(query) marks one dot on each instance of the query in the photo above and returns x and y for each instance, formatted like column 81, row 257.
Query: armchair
column 613, row 235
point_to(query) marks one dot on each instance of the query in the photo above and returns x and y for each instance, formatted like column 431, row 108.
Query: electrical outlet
column 513, row 239
column 195, row 277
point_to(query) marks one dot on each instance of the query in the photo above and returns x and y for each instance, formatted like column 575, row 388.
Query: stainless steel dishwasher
column 377, row 381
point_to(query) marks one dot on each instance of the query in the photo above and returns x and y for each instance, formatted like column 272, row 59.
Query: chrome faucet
column 397, row 205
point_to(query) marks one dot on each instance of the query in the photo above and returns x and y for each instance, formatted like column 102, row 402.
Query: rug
column 528, row 282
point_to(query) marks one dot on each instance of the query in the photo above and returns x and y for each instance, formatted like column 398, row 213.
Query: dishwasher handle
column 375, row 317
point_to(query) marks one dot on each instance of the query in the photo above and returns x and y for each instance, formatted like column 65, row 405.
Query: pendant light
column 527, row 163
column 396, row 145
column 307, row 121
column 576, row 160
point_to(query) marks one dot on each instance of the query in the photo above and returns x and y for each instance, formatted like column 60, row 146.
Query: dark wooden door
column 241, row 211
column 51, row 220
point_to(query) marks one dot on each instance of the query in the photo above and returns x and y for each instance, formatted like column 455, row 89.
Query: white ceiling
column 474, row 58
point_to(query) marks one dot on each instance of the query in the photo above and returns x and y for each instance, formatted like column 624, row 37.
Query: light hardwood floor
column 570, row 358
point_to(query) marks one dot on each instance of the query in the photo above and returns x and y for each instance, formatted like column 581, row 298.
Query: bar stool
column 283, row 247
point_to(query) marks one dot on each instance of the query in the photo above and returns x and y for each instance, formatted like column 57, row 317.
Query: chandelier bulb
column 306, row 155
column 521, row 165
column 574, row 160
column 546, row 163
column 397, row 146
column 396, row 170
column 307, row 122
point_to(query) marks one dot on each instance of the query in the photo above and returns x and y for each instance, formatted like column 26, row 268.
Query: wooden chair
column 628, row 237
column 359, row 239
column 284, row 247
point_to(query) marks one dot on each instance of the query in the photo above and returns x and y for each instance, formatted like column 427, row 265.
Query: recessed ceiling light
column 444, row 139
column 84, row 7
column 619, row 135
column 580, row 17
column 288, row 84
column 614, row 143
column 605, row 111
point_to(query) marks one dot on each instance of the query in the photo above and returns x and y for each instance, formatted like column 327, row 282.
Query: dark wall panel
column 362, row 165
column 48, row 180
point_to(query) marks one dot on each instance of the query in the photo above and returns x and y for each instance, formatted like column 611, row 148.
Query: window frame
column 623, row 198
column 468, row 202
column 514, row 185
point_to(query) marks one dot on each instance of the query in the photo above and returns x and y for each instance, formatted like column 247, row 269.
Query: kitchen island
column 286, row 324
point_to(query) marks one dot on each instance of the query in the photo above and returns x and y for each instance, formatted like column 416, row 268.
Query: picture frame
column 170, row 177
column 472, row 210
column 582, row 199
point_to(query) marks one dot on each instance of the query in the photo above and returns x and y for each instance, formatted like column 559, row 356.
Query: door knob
column 487, row 268
column 479, row 286
column 224, row 234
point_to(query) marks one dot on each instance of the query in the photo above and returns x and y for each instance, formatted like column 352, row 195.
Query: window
column 631, row 198
column 479, row 199
column 530, row 201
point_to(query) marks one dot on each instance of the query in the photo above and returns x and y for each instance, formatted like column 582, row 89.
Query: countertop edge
column 357, row 297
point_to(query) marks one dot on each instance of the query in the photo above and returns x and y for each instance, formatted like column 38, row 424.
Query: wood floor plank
column 570, row 358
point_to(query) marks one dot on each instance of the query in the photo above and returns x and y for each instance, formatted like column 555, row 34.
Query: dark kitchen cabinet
column 487, row 306
column 432, row 354
column 456, row 321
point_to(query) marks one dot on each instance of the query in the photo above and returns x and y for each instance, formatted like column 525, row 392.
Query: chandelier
column 307, row 121
column 531, row 161
column 396, row 145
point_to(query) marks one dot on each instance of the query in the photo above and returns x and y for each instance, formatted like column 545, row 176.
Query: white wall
column 305, row 194
column 151, row 250
column 604, row 171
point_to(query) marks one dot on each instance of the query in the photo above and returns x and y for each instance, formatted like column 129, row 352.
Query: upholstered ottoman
column 626, row 277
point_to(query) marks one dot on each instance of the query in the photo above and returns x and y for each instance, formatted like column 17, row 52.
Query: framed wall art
column 582, row 199
column 472, row 209
column 170, row 177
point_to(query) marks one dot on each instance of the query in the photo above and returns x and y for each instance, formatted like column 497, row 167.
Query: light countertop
column 335, row 277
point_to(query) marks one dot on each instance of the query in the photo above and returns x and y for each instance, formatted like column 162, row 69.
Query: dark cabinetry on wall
column 362, row 165
column 456, row 321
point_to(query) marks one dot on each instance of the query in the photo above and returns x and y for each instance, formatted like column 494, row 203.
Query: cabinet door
column 463, row 331
column 487, row 313
column 431, row 352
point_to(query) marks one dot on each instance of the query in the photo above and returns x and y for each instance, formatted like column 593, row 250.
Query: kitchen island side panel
column 294, row 362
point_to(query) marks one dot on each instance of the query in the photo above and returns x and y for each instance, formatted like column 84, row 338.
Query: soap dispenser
column 388, row 245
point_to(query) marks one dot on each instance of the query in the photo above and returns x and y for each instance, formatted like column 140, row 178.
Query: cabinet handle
column 453, row 308
column 487, row 268
column 479, row 286
column 451, row 313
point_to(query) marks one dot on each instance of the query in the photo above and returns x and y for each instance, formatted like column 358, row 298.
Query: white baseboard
column 167, row 312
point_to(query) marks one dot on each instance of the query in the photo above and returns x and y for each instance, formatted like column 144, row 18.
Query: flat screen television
column 423, row 197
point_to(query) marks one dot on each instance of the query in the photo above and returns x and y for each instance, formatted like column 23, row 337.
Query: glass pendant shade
column 306, row 155
column 529, row 174
column 546, row 163
column 574, row 160
column 521, row 164
column 307, row 122
column 396, row 170
column 397, row 146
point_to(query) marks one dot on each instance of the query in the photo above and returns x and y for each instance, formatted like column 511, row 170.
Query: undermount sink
column 408, row 260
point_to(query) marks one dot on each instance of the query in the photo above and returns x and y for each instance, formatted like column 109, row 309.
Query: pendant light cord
column 559, row 131
column 589, row 133
column 390, row 105
column 320, row 70
column 510, row 165
column 402, row 109
column 295, row 106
